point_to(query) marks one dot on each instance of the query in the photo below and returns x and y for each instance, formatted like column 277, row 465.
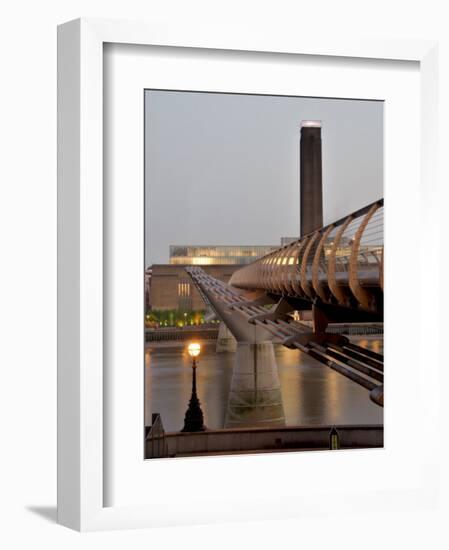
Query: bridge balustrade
column 340, row 263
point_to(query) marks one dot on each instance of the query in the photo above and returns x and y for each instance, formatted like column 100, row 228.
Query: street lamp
column 194, row 421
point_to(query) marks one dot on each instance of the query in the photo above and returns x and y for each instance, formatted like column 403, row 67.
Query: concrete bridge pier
column 226, row 342
column 255, row 394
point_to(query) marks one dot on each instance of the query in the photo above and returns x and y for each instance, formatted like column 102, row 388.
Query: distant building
column 217, row 255
column 148, row 272
column 171, row 287
column 288, row 240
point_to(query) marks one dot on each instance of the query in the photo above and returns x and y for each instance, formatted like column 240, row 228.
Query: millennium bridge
column 340, row 265
column 298, row 295
column 335, row 272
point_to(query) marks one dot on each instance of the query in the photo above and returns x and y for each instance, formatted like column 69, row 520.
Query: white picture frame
column 81, row 397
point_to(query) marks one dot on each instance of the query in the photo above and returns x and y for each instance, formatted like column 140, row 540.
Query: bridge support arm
column 280, row 311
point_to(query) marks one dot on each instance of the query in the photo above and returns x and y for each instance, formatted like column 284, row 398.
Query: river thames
column 312, row 393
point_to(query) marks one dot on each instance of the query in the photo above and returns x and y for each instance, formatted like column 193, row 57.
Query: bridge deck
column 360, row 365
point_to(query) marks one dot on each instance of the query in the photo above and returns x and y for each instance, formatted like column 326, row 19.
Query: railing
column 340, row 263
column 266, row 439
column 355, row 330
column 162, row 335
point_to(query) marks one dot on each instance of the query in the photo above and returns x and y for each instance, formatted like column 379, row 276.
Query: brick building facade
column 170, row 287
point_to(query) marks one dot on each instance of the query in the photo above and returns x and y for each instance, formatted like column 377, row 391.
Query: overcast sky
column 224, row 169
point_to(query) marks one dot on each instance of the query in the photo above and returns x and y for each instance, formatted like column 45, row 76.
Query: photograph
column 263, row 283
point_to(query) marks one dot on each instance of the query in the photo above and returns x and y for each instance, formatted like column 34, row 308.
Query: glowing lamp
column 194, row 349
column 311, row 124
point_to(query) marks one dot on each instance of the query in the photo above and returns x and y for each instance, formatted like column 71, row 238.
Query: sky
column 224, row 168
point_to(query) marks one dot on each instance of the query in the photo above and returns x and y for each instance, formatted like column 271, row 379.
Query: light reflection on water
column 312, row 393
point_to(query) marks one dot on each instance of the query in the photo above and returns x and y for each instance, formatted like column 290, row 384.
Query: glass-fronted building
column 217, row 255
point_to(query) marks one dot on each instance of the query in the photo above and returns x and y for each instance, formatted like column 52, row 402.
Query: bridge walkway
column 355, row 362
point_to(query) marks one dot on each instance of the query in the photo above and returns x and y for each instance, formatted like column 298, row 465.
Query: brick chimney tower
column 311, row 185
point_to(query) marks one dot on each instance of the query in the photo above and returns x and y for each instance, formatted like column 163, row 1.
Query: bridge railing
column 339, row 263
column 163, row 335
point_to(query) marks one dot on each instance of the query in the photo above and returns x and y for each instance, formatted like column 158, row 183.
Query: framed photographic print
column 270, row 320
column 226, row 302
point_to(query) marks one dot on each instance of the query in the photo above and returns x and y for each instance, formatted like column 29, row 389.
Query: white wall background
column 28, row 271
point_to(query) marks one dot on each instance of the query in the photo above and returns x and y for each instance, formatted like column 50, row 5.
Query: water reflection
column 312, row 393
column 375, row 344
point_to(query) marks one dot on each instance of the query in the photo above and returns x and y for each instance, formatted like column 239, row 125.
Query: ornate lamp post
column 194, row 421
